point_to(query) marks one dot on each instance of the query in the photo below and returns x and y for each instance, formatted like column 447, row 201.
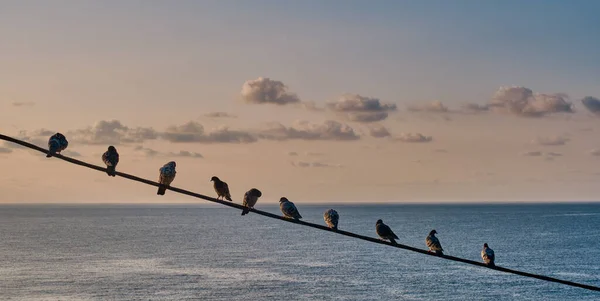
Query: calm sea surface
column 129, row 252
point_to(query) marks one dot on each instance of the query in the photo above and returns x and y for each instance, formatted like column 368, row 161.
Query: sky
column 317, row 101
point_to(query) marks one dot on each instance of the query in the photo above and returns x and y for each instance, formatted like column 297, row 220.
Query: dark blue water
column 190, row 253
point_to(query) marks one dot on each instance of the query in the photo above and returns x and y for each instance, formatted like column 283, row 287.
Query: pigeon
column 111, row 159
column 487, row 255
column 250, row 198
column 385, row 232
column 167, row 175
column 331, row 218
column 57, row 143
column 434, row 243
column 221, row 188
column 289, row 209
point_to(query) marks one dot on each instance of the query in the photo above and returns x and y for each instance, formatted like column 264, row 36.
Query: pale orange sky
column 309, row 114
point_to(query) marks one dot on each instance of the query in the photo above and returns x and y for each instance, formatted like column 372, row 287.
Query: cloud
column 193, row 132
column 532, row 154
column 219, row 115
column 186, row 154
column 111, row 132
column 304, row 130
column 23, row 104
column 435, row 106
column 310, row 106
column 413, row 137
column 264, row 90
column 595, row 152
column 553, row 154
column 314, row 164
column 313, row 154
column 360, row 108
column 592, row 104
column 549, row 141
column 378, row 131
column 474, row 108
column 522, row 101
column 5, row 150
column 154, row 153
column 292, row 154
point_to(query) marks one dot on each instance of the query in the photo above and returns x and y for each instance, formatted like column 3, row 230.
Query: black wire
column 312, row 225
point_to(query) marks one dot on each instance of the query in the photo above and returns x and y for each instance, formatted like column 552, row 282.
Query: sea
column 200, row 252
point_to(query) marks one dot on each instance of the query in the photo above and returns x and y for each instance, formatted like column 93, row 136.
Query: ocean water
column 154, row 252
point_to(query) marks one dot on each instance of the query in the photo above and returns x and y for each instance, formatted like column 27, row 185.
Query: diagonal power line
column 303, row 223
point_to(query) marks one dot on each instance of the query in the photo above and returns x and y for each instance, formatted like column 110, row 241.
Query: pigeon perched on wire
column 488, row 255
column 167, row 175
column 57, row 143
column 289, row 209
column 221, row 188
column 331, row 218
column 111, row 159
column 250, row 198
column 433, row 243
column 385, row 232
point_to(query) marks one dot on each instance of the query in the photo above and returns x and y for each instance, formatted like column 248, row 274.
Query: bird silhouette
column 166, row 176
column 488, row 255
column 289, row 209
column 57, row 143
column 111, row 159
column 221, row 188
column 250, row 198
column 433, row 243
column 385, row 232
column 331, row 218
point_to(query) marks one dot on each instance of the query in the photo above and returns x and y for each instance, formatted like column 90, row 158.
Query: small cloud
column 186, row 154
column 595, row 152
column 304, row 130
column 413, row 137
column 219, row 115
column 474, row 108
column 361, row 108
column 435, row 106
column 550, row 141
column 532, row 154
column 379, row 131
column 193, row 132
column 5, row 150
column 313, row 154
column 148, row 152
column 592, row 104
column 111, row 132
column 292, row 154
column 23, row 104
column 314, row 164
column 264, row 90
column 553, row 154
column 522, row 101
column 310, row 106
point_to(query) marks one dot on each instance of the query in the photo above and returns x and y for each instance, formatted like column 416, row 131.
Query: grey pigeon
column 167, row 175
column 289, row 209
column 57, row 143
column 250, row 198
column 331, row 218
column 111, row 159
column 488, row 255
column 221, row 188
column 433, row 243
column 385, row 232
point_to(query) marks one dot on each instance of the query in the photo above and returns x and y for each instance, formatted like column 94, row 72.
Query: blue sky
column 76, row 66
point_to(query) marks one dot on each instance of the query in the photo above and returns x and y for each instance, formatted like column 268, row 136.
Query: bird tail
column 439, row 252
column 48, row 155
column 393, row 241
column 228, row 197
column 110, row 170
column 245, row 211
column 161, row 190
column 335, row 227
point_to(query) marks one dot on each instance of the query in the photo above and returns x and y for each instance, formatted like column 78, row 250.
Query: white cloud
column 592, row 104
column 522, row 101
column 194, row 132
column 264, row 90
column 435, row 106
column 23, row 103
column 361, row 108
column 379, row 131
column 550, row 141
column 219, row 115
column 413, row 137
column 111, row 132
column 304, row 130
